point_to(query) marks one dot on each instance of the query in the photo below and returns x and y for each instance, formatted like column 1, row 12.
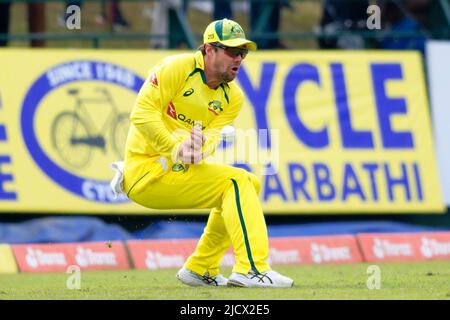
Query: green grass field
column 422, row 280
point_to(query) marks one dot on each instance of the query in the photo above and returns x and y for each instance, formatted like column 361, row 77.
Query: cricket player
column 175, row 124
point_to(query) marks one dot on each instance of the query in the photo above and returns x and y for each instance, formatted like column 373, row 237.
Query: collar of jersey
column 200, row 67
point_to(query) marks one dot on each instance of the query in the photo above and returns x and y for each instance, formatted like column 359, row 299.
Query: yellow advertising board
column 7, row 261
column 337, row 132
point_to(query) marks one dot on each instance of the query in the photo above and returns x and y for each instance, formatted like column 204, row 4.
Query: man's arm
column 153, row 98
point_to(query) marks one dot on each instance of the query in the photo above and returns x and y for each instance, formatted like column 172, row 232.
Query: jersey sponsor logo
column 215, row 107
column 188, row 92
column 182, row 117
column 171, row 110
column 153, row 79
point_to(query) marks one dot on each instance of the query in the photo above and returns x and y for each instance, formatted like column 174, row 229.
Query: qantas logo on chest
column 185, row 119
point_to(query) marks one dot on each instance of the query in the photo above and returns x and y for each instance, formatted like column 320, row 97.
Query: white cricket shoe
column 194, row 279
column 268, row 279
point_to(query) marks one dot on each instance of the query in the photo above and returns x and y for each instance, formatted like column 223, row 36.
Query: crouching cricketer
column 175, row 123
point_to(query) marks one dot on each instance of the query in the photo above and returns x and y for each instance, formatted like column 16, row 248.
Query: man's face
column 226, row 61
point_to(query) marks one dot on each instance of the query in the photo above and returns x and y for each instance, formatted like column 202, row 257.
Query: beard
column 226, row 76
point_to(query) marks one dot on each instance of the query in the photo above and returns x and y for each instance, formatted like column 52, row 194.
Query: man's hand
column 190, row 151
column 197, row 137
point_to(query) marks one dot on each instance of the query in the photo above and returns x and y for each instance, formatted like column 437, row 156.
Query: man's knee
column 242, row 174
column 255, row 181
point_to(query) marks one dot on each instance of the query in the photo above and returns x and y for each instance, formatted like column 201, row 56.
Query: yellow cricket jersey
column 173, row 96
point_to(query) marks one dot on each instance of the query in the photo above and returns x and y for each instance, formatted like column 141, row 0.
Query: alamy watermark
column 255, row 147
column 260, row 148
column 374, row 20
column 374, row 280
column 73, row 17
column 73, row 282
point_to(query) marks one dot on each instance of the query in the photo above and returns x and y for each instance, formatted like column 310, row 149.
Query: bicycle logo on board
column 75, row 134
column 74, row 123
